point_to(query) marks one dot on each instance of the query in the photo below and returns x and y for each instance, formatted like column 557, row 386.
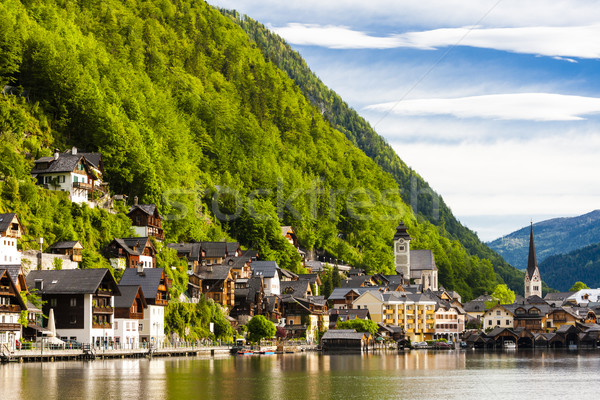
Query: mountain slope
column 415, row 191
column 189, row 115
column 563, row 270
column 553, row 236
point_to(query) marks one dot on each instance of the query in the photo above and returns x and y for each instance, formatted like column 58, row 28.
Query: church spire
column 532, row 262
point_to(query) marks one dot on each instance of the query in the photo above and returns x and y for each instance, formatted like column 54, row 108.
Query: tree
column 501, row 295
column 259, row 327
column 281, row 333
column 578, row 286
column 360, row 325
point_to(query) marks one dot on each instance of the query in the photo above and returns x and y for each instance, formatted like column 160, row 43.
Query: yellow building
column 414, row 312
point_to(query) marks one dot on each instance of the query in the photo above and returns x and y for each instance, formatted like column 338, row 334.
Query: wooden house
column 155, row 287
column 73, row 249
column 132, row 252
column 129, row 313
column 10, row 232
column 346, row 340
column 146, row 220
column 218, row 284
column 79, row 174
column 11, row 305
column 249, row 299
column 82, row 300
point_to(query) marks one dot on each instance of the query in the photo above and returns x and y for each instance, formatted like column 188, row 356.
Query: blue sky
column 495, row 103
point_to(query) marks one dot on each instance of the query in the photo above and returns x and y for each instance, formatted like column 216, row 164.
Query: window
column 498, row 322
column 73, row 319
column 141, row 327
column 507, row 322
column 53, row 302
column 498, row 312
column 490, row 322
column 73, row 302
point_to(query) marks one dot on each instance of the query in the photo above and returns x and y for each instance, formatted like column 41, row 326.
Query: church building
column 416, row 266
column 533, row 281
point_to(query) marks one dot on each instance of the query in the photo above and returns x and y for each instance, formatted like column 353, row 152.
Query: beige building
column 449, row 321
column 498, row 316
column 414, row 312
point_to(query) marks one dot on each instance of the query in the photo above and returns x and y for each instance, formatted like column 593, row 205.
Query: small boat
column 245, row 353
column 510, row 345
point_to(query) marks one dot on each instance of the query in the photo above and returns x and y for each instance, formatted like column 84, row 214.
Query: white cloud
column 572, row 41
column 519, row 106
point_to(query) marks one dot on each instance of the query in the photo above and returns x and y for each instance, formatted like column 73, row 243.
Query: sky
column 495, row 103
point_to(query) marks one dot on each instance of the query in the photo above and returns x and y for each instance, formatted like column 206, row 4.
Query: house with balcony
column 249, row 299
column 146, row 220
column 414, row 312
column 269, row 271
column 131, row 252
column 499, row 316
column 82, row 300
column 560, row 316
column 449, row 321
column 305, row 316
column 129, row 313
column 218, row 284
column 11, row 305
column 79, row 174
column 72, row 249
column 344, row 297
column 155, row 287
column 10, row 232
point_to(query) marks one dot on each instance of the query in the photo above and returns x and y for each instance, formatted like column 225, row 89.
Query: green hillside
column 415, row 191
column 189, row 114
column 563, row 270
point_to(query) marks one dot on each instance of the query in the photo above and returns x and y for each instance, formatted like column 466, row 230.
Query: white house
column 11, row 305
column 82, row 300
column 129, row 314
column 155, row 288
column 10, row 232
column 498, row 317
column 583, row 297
column 269, row 270
column 79, row 174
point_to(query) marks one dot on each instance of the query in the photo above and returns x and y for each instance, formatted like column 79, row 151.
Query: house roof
column 340, row 293
column 349, row 334
column 311, row 278
column 474, row 306
column 217, row 272
column 356, row 281
column 266, row 269
column 149, row 209
column 214, row 249
column 128, row 294
column 128, row 244
column 65, row 245
column 71, row 281
column 236, row 262
column 297, row 288
column 13, row 271
column 557, row 296
column 6, row 220
column 422, row 260
column 401, row 232
column 3, row 271
column 66, row 162
column 190, row 250
column 149, row 280
column 362, row 313
column 314, row 265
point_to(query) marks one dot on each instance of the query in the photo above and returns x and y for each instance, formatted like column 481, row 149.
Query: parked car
column 420, row 345
column 463, row 345
column 442, row 345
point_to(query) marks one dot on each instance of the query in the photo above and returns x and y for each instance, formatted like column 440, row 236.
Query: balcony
column 430, row 321
column 136, row 315
column 104, row 292
column 82, row 185
column 5, row 290
column 388, row 311
column 101, row 326
column 410, row 321
column 4, row 327
column 12, row 308
column 388, row 321
column 102, row 310
column 161, row 302
column 430, row 312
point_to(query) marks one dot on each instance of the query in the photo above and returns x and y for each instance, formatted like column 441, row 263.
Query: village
column 88, row 308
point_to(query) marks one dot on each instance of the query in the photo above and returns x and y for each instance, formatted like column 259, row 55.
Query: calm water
column 415, row 375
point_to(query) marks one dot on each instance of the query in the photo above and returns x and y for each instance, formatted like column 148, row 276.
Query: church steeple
column 402, row 251
column 532, row 262
column 533, row 281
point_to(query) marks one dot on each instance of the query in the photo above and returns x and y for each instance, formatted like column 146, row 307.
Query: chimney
column 135, row 201
column 74, row 150
column 56, row 154
column 140, row 268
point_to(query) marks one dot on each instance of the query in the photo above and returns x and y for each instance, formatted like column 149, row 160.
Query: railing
column 101, row 326
column 82, row 185
column 10, row 327
column 102, row 310
column 10, row 308
column 5, row 290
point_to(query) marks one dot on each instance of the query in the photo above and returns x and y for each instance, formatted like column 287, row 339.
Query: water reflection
column 416, row 374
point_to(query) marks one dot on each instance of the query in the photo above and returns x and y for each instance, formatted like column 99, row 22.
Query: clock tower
column 533, row 280
column 402, row 252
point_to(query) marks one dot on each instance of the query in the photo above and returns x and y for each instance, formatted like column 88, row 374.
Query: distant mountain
column 554, row 236
column 563, row 270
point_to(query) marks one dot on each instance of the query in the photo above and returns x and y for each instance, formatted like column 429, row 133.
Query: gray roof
column 266, row 269
column 349, row 334
column 189, row 250
column 5, row 221
column 312, row 278
column 362, row 313
column 340, row 293
column 13, row 271
column 558, row 296
column 64, row 245
column 297, row 288
column 236, row 262
column 532, row 259
column 66, row 162
column 214, row 249
column 71, row 281
column 128, row 293
column 474, row 306
column 129, row 243
column 214, row 272
column 149, row 280
column 149, row 209
column 422, row 260
column 356, row 281
column 314, row 265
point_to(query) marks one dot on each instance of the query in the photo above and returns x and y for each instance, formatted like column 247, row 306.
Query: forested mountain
column 563, row 270
column 553, row 236
column 415, row 191
column 190, row 115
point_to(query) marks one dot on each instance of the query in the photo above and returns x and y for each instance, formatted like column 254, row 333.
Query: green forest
column 563, row 270
column 189, row 114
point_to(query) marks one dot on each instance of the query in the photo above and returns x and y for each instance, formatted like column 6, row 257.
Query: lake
column 419, row 374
